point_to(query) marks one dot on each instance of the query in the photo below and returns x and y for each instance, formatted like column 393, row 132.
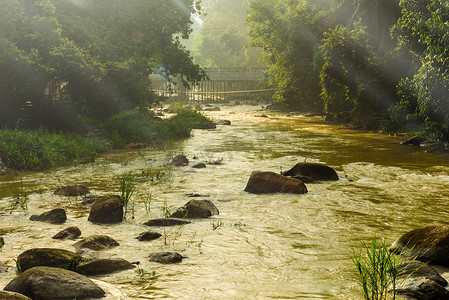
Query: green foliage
column 97, row 54
column 422, row 31
column 20, row 198
column 139, row 126
column 377, row 270
column 40, row 149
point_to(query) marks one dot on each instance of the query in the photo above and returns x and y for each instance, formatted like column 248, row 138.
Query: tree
column 422, row 30
column 99, row 52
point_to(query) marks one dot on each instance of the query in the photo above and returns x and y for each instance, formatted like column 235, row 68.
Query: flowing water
column 260, row 246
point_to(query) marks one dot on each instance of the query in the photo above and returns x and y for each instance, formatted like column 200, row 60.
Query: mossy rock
column 72, row 190
column 317, row 172
column 107, row 210
column 54, row 216
column 196, row 209
column 166, row 257
column 96, row 243
column 428, row 244
column 49, row 257
column 270, row 182
column 4, row 295
column 46, row 283
column 104, row 266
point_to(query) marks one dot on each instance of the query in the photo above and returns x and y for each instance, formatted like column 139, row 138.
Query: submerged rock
column 417, row 269
column 214, row 108
column 68, row 233
column 164, row 222
column 199, row 166
column 55, row 216
column 223, row 123
column 46, row 283
column 415, row 141
column 270, row 182
column 96, row 242
column 4, row 295
column 166, row 257
column 317, row 172
column 428, row 244
column 107, row 210
column 148, row 236
column 72, row 190
column 196, row 209
column 104, row 266
column 180, row 161
column 421, row 289
column 48, row 257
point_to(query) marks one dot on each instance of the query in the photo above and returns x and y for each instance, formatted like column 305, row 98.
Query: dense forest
column 65, row 61
column 373, row 63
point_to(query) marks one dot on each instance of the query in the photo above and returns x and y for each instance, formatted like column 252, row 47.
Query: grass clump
column 140, row 126
column 377, row 270
column 127, row 183
column 41, row 149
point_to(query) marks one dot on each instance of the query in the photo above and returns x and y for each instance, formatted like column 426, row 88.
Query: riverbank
column 41, row 149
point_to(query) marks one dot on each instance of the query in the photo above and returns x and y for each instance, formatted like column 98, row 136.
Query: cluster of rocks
column 430, row 146
column 52, row 273
column 291, row 181
column 421, row 248
column 183, row 161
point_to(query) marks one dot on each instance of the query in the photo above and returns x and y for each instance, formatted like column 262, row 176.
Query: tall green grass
column 377, row 270
column 41, row 149
column 127, row 182
column 137, row 126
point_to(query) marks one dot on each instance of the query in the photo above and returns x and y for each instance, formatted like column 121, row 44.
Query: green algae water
column 260, row 246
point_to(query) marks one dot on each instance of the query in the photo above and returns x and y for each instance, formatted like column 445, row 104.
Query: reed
column 127, row 182
column 377, row 270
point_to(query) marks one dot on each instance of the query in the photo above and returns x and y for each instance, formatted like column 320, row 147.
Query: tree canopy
column 97, row 54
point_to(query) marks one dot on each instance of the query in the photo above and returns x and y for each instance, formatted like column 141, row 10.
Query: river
column 276, row 246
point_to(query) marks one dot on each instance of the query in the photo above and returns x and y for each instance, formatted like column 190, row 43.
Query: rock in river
column 270, row 182
column 196, row 209
column 54, row 216
column 428, row 244
column 4, row 295
column 104, row 266
column 68, row 233
column 148, row 236
column 72, row 190
column 163, row 222
column 107, row 210
column 180, row 161
column 318, row 172
column 96, row 242
column 46, row 283
column 166, row 257
column 49, row 257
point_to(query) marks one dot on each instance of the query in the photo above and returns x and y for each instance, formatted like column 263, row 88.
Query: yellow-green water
column 260, row 246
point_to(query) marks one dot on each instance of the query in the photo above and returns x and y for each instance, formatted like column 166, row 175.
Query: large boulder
column 72, row 232
column 166, row 257
column 180, row 161
column 96, row 242
column 48, row 257
column 196, row 209
column 107, row 210
column 54, row 216
column 317, row 172
column 429, row 244
column 4, row 295
column 104, row 266
column 270, row 182
column 72, row 190
column 46, row 283
column 164, row 222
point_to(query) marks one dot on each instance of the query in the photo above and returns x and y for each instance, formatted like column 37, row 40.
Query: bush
column 40, row 149
column 134, row 126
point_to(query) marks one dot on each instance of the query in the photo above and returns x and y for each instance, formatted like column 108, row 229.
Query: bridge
column 224, row 84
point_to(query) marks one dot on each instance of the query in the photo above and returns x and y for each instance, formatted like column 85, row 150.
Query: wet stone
column 68, row 233
column 166, row 257
column 163, row 222
column 55, row 216
column 148, row 236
